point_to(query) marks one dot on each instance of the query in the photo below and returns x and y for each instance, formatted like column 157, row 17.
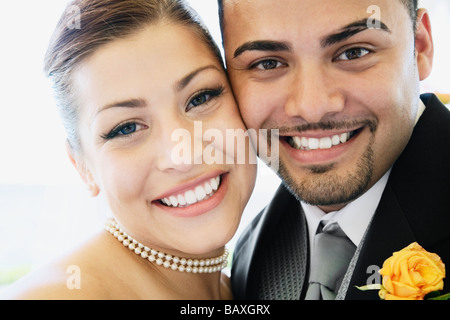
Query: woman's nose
column 180, row 147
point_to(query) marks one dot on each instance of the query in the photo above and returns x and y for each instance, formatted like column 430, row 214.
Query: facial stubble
column 323, row 186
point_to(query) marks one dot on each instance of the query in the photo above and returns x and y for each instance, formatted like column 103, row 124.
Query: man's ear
column 424, row 44
column 83, row 171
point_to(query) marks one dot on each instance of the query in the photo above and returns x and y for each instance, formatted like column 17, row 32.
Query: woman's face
column 156, row 111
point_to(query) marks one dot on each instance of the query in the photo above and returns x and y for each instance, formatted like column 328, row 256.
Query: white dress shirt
column 353, row 219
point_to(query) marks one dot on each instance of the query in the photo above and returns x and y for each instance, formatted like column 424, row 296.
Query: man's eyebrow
column 352, row 29
column 262, row 45
column 183, row 82
column 131, row 103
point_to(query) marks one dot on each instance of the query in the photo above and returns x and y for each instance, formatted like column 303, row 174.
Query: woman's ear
column 424, row 44
column 83, row 171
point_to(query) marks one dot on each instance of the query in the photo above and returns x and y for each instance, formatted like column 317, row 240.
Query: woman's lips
column 196, row 194
column 195, row 198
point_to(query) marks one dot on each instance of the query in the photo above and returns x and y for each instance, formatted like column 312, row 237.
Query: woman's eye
column 199, row 100
column 123, row 130
column 204, row 97
column 267, row 64
column 352, row 54
column 128, row 129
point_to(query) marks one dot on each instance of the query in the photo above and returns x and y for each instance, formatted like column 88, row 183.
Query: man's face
column 339, row 79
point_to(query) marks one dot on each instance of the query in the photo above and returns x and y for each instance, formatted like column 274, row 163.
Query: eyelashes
column 267, row 64
column 347, row 55
column 204, row 96
column 199, row 100
column 352, row 54
column 124, row 129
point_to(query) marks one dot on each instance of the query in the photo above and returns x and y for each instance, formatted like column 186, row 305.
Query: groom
column 365, row 160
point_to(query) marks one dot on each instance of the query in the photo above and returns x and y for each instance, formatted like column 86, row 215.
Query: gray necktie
column 333, row 251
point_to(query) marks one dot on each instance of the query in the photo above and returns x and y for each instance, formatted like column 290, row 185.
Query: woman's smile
column 194, row 198
column 201, row 192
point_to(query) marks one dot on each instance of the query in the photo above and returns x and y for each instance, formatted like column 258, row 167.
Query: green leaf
column 443, row 297
column 370, row 287
column 433, row 294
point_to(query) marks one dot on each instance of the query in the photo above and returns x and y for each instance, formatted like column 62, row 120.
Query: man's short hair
column 411, row 6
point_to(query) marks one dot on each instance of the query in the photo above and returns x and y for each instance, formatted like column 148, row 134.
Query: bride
column 128, row 81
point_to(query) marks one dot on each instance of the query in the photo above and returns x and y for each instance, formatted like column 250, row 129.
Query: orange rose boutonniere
column 411, row 274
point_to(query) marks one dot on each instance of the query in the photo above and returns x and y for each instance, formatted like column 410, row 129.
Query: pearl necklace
column 209, row 265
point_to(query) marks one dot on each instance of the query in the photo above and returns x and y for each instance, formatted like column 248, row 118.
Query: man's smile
column 305, row 143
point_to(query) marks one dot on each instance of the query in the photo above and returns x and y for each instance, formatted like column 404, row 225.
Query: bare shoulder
column 78, row 275
column 52, row 283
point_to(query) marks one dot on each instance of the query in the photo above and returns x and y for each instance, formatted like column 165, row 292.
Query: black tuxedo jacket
column 271, row 256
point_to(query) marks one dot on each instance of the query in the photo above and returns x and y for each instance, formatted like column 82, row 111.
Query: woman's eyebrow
column 183, row 82
column 131, row 103
column 351, row 29
column 140, row 102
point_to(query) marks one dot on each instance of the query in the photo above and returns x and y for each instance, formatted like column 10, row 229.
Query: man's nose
column 312, row 94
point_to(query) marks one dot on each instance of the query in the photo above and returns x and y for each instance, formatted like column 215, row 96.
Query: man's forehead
column 250, row 26
column 233, row 4
column 260, row 13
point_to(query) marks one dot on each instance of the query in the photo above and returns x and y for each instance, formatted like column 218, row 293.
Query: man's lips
column 323, row 141
column 323, row 147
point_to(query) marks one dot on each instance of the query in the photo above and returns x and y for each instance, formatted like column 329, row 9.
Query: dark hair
column 100, row 22
column 411, row 6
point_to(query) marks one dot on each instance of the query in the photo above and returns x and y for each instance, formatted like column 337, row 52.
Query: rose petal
column 402, row 290
column 411, row 273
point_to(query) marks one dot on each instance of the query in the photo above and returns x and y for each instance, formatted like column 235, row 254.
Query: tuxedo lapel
column 388, row 232
column 415, row 204
column 274, row 257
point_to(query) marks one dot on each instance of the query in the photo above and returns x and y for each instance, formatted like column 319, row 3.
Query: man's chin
column 324, row 186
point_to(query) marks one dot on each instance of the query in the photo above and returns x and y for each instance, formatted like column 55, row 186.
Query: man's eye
column 352, row 54
column 267, row 64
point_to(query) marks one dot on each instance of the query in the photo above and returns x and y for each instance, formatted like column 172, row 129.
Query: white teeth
column 313, row 143
column 208, row 188
column 199, row 193
column 304, row 143
column 297, row 141
column 325, row 143
column 190, row 197
column 344, row 137
column 181, row 200
column 214, row 183
column 335, row 140
column 173, row 201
